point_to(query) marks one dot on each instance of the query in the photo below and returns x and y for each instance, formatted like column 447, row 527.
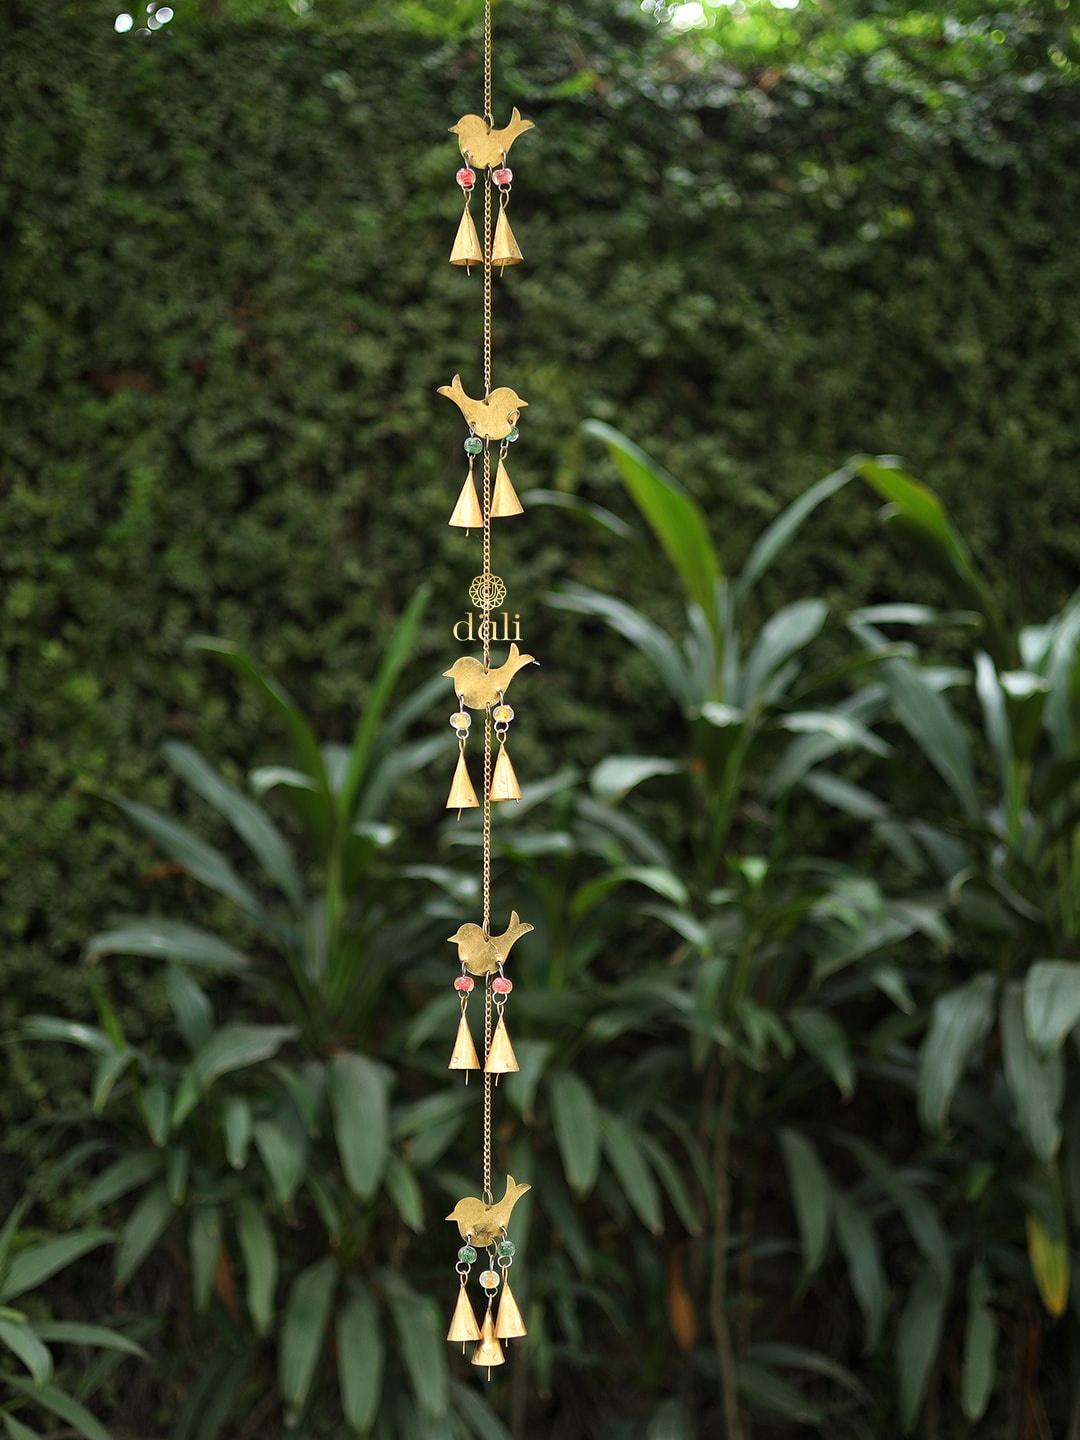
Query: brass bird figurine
column 482, row 1224
column 480, row 953
column 480, row 688
column 482, row 145
column 492, row 418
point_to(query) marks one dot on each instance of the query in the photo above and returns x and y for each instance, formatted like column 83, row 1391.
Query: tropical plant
column 28, row 1380
column 278, row 1144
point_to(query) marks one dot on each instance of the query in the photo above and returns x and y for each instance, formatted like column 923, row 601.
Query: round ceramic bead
column 489, row 1279
column 461, row 720
column 502, row 986
column 506, row 1249
column 466, row 1254
column 513, row 435
column 503, row 176
column 502, row 714
column 474, row 445
column 466, row 178
column 464, row 983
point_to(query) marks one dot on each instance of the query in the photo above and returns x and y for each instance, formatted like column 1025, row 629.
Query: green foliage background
column 225, row 314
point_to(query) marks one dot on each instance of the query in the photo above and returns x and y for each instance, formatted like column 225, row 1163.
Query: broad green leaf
column 57, row 1403
column 641, row 632
column 359, row 1359
column 154, row 1104
column 858, row 1242
column 918, row 1342
column 398, row 650
column 675, row 518
column 234, row 1047
column 303, row 738
column 420, row 1343
column 259, row 1250
column 483, row 1423
column 823, row 1037
column 238, row 1124
column 177, row 1173
column 576, row 1120
column 145, row 1227
column 673, row 1181
column 303, row 1330
column 27, row 1347
column 1037, row 1085
column 1048, row 1251
column 194, row 856
column 659, row 880
column 70, row 1032
column 921, row 1218
column 405, row 1192
column 166, row 940
column 844, row 731
column 191, row 1007
column 110, row 1070
column 811, row 1196
column 31, row 1267
column 204, row 1246
column 933, row 724
column 356, row 1087
column 16, row 1429
column 1051, row 1002
column 799, row 1358
column 995, row 718
column 253, row 825
column 923, row 516
column 980, row 1345
column 614, row 778
column 585, row 509
column 73, row 1332
column 782, row 636
column 282, row 1144
column 521, row 1086
column 775, row 539
column 959, row 1024
column 627, row 1160
column 762, row 1387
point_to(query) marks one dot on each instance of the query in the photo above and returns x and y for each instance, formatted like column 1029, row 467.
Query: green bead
column 506, row 1249
column 466, row 1254
column 474, row 445
column 512, row 436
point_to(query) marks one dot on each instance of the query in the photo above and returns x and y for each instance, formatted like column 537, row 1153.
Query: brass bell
column 463, row 1326
column 462, row 795
column 504, row 250
column 504, row 783
column 464, row 1056
column 466, row 249
column 508, row 1323
column 501, row 1059
column 504, row 500
column 467, row 513
column 489, row 1352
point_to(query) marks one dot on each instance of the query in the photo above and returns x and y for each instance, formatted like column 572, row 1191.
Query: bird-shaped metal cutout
column 479, row 688
column 481, row 144
column 482, row 1224
column 492, row 418
column 482, row 954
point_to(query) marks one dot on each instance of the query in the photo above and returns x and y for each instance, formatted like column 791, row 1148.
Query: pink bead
column 466, row 178
column 502, row 986
column 464, row 983
column 502, row 176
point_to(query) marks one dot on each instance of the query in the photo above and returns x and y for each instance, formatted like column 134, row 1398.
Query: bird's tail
column 514, row 1189
column 518, row 926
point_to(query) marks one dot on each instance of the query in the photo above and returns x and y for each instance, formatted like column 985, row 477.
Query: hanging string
column 486, row 629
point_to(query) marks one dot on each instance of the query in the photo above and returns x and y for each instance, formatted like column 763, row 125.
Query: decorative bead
column 506, row 1249
column 474, row 445
column 466, row 178
column 502, row 986
column 466, row 1254
column 503, row 176
column 461, row 720
column 502, row 714
column 464, row 983
column 514, row 435
column 489, row 1279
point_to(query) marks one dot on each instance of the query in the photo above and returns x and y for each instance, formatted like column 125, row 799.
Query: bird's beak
column 453, row 130
column 452, row 1215
column 452, row 939
column 449, row 673
column 523, row 404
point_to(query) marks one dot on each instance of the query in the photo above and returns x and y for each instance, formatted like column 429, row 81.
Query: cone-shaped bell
column 504, row 250
column 504, row 500
column 467, row 513
column 504, row 785
column 508, row 1323
column 501, row 1059
column 463, row 1326
column 467, row 249
column 464, row 1058
column 489, row 1352
column 462, row 795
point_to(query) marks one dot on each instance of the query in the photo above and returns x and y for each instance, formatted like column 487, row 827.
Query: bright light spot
column 164, row 15
column 122, row 24
column 153, row 22
column 785, row 4
column 688, row 16
column 301, row 7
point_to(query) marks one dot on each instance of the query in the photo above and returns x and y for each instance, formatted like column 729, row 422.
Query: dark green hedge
column 226, row 310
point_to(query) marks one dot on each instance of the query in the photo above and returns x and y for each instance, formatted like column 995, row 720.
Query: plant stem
column 725, row 1351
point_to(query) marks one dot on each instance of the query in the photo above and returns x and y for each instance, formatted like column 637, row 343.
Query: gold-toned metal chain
column 487, row 63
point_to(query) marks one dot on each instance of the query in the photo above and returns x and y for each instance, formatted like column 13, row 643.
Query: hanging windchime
column 480, row 686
